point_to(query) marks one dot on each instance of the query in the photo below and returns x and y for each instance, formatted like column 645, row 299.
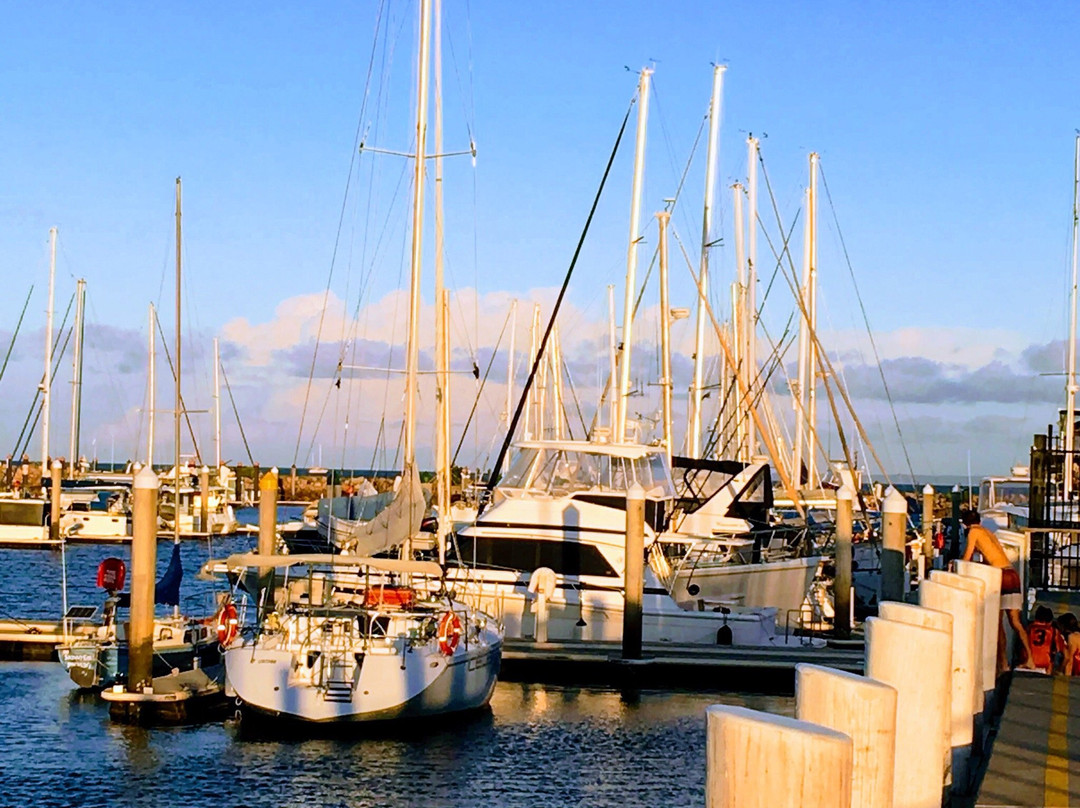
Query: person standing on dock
column 1012, row 598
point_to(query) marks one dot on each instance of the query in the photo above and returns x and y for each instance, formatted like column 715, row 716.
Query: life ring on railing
column 227, row 623
column 449, row 633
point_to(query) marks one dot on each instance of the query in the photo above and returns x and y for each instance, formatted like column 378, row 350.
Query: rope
column 558, row 304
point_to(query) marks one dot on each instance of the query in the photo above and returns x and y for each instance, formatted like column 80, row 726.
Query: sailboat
column 358, row 638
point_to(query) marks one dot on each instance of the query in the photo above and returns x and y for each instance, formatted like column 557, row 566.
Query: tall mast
column 631, row 254
column 510, row 363
column 1070, row 384
column 799, row 393
column 711, row 157
column 665, row 334
column 556, row 386
column 412, row 350
column 751, row 293
column 217, row 405
column 46, row 384
column 532, row 421
column 151, row 391
column 738, row 325
column 613, row 363
column 176, row 400
column 811, row 393
column 442, row 310
column 76, row 376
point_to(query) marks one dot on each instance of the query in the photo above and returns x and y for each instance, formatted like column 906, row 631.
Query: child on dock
column 1044, row 639
column 1070, row 631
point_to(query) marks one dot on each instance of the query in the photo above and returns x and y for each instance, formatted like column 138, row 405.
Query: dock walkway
column 1035, row 760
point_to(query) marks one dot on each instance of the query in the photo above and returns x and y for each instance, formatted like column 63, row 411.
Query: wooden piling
column 634, row 578
column 56, row 470
column 845, row 518
column 268, row 490
column 928, row 526
column 144, row 509
column 760, row 760
column 204, row 499
column 922, row 705
column 977, row 588
column 292, row 483
column 865, row 711
column 894, row 526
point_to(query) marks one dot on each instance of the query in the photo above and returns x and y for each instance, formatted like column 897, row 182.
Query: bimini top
column 240, row 561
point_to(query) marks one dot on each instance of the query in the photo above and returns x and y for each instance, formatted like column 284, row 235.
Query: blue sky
column 946, row 134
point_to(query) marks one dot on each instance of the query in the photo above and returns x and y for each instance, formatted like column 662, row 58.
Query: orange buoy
column 449, row 632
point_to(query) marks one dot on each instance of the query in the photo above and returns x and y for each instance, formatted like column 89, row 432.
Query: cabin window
column 518, row 472
column 526, row 555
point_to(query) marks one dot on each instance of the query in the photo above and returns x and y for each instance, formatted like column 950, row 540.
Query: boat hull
column 782, row 584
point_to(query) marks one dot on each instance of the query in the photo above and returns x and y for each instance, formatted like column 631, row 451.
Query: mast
column 151, row 391
column 613, row 363
column 799, row 393
column 46, row 384
column 532, row 420
column 631, row 254
column 738, row 327
column 442, row 311
column 711, row 157
column 510, row 363
column 217, row 407
column 76, row 376
column 751, row 293
column 176, row 399
column 1070, row 384
column 412, row 350
column 556, row 386
column 665, row 334
column 811, row 393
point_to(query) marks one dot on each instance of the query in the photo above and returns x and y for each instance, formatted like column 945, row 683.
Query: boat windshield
column 559, row 472
column 994, row 493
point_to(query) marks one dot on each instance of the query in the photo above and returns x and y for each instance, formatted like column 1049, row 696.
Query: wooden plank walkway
column 1035, row 760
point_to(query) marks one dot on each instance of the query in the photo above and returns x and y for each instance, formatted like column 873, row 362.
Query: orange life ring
column 227, row 623
column 449, row 632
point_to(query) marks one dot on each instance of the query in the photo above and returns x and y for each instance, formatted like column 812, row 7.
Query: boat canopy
column 560, row 468
column 242, row 561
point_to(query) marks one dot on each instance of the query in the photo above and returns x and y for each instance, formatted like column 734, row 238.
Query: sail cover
column 167, row 590
column 399, row 519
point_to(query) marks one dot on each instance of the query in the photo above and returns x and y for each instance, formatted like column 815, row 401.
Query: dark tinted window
column 22, row 513
column 526, row 555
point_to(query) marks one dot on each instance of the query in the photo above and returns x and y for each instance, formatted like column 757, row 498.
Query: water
column 536, row 746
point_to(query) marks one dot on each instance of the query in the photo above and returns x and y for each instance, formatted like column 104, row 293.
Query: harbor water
column 535, row 746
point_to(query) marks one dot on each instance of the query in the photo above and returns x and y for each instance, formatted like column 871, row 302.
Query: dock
column 1035, row 758
column 34, row 640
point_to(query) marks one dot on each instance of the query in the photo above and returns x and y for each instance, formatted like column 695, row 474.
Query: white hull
column 95, row 525
column 782, row 584
column 384, row 682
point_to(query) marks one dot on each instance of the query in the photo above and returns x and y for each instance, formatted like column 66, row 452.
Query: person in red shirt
column 1043, row 639
column 1070, row 630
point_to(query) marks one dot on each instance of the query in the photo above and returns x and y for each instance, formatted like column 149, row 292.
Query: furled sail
column 167, row 590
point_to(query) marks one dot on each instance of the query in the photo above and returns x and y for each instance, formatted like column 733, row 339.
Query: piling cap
column 204, row 470
column 145, row 479
column 846, row 492
column 635, row 492
column 56, row 464
column 268, row 482
column 894, row 502
column 928, row 489
column 275, row 471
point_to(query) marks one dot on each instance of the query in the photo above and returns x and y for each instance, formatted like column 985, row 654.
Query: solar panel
column 80, row 612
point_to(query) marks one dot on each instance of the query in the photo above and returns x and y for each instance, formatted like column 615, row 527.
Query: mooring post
column 928, row 526
column 865, row 711
column 756, row 758
column 57, row 470
column 204, row 500
column 634, row 580
column 894, row 527
column 144, row 509
column 292, row 483
column 955, row 531
column 991, row 622
column 256, row 476
column 842, row 580
column 238, row 485
column 268, row 490
column 922, row 704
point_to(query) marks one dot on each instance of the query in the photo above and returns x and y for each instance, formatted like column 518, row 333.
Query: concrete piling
column 143, row 573
column 758, row 760
column 865, row 711
column 894, row 526
column 991, row 622
column 922, row 706
column 842, row 580
column 634, row 581
column 978, row 589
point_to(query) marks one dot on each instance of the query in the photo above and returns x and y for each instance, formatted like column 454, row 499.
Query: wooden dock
column 1035, row 759
column 34, row 640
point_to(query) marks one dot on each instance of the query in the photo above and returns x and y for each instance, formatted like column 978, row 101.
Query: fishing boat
column 359, row 639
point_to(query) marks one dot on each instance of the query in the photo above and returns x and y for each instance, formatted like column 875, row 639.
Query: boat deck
column 1035, row 759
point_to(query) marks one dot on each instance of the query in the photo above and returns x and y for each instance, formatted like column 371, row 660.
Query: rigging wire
column 480, row 391
column 236, row 412
column 15, row 333
column 866, row 321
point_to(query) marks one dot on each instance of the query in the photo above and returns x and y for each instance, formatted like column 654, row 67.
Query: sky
column 945, row 130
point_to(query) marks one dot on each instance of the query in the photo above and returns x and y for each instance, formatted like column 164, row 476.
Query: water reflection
column 535, row 746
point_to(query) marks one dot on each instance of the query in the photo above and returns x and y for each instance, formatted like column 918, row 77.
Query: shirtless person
column 1012, row 598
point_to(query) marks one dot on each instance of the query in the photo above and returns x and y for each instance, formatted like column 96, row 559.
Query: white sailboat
column 358, row 638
